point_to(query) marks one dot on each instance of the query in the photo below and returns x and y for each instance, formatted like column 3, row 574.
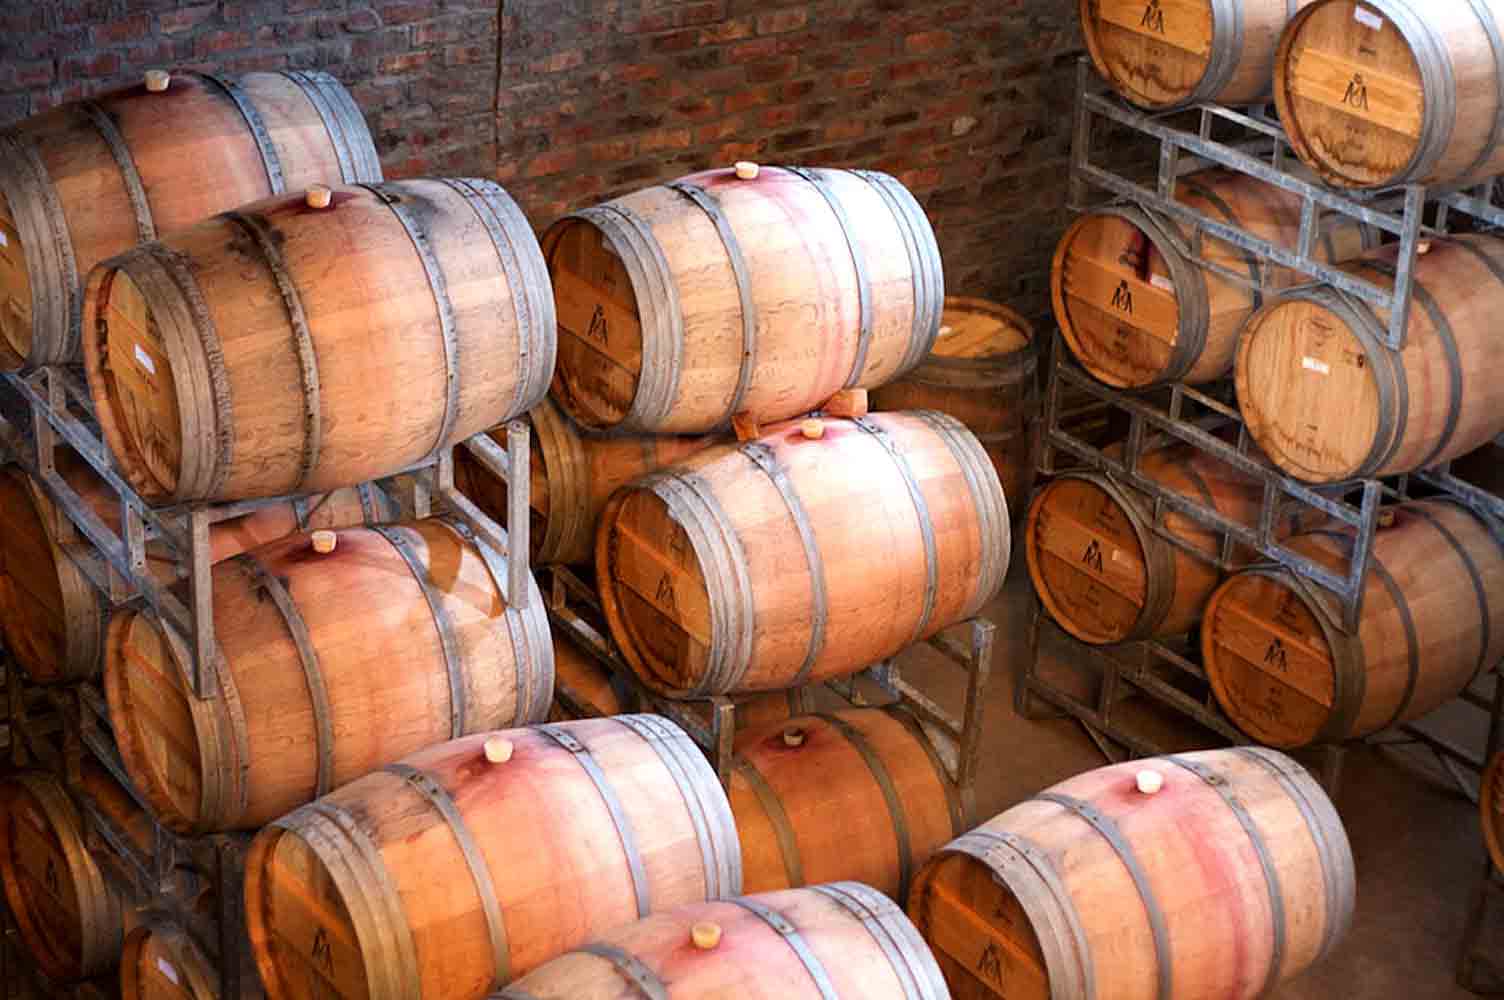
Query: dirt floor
column 1415, row 836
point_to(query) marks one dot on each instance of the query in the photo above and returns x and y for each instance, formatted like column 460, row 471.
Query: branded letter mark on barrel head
column 1154, row 18
column 666, row 593
column 1123, row 298
column 1093, row 556
column 597, row 329
column 1357, row 93
column 990, row 965
column 321, row 952
column 50, row 877
column 1275, row 657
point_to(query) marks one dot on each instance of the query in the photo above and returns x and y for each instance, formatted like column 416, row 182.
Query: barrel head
column 144, row 396
column 32, row 611
column 1153, row 52
column 15, row 285
column 978, row 330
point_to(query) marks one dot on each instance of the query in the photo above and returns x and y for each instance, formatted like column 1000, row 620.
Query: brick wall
column 424, row 71
column 966, row 101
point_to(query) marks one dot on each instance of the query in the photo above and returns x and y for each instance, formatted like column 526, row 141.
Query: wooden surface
column 159, row 961
column 1287, row 678
column 862, row 942
column 829, row 818
column 984, row 372
column 368, row 894
column 1327, row 402
column 1491, row 809
column 193, row 154
column 717, row 593
column 1002, row 927
column 1352, row 90
column 573, row 474
column 628, row 304
column 238, row 761
column 1157, row 53
column 1136, row 311
column 232, row 404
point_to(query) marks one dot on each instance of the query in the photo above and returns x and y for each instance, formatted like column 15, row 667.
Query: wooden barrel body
column 748, row 568
column 1328, row 401
column 682, row 305
column 1136, row 311
column 1432, row 620
column 840, row 940
column 583, row 688
column 160, row 961
column 52, row 617
column 856, row 795
column 1102, row 569
column 330, row 666
column 257, row 354
column 1233, row 877
column 1384, row 92
column 1491, row 809
column 448, row 875
column 1169, row 53
column 68, row 916
column 573, row 474
column 91, row 179
column 984, row 372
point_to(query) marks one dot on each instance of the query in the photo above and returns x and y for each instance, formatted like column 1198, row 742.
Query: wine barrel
column 1432, row 619
column 984, row 372
column 1136, row 311
column 1385, row 92
column 496, row 867
column 858, row 795
column 793, row 559
column 68, row 916
column 90, row 179
column 685, row 304
column 329, row 666
column 1231, row 878
column 52, row 617
column 1328, row 401
column 160, row 961
column 830, row 941
column 1164, row 54
column 1491, row 809
column 573, row 474
column 255, row 355
column 1107, row 574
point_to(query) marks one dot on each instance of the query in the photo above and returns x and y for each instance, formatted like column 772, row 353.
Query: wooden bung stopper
column 498, row 750
column 319, row 196
column 747, row 170
column 1386, row 517
column 793, row 737
column 705, row 935
column 1150, row 781
column 813, row 428
column 157, row 80
column 324, row 542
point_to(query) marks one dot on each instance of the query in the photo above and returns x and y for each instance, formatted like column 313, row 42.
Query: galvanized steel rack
column 1253, row 143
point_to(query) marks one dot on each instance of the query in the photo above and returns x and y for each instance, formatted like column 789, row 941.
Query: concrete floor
column 1415, row 837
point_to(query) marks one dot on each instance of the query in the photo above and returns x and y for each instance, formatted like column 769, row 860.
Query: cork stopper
column 705, row 935
column 1150, row 781
column 498, row 750
column 157, row 80
column 946, row 330
column 1386, row 517
column 319, row 196
column 747, row 170
column 793, row 736
column 324, row 542
column 1423, row 247
column 813, row 428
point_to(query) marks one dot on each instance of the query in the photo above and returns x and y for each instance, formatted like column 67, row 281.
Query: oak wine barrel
column 685, row 304
column 1328, row 401
column 329, row 666
column 475, row 861
column 1136, row 311
column 1379, row 93
column 161, row 961
column 92, row 178
column 854, row 795
column 1164, row 54
column 984, row 372
column 573, row 474
column 822, row 943
column 1432, row 620
column 1230, row 878
column 53, row 619
column 1104, row 571
column 1491, row 809
column 283, row 348
column 793, row 559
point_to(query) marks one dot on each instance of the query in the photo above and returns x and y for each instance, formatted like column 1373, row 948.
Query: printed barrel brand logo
column 990, row 965
column 1123, row 297
column 597, row 329
column 1093, row 556
column 322, row 956
column 1275, row 656
column 1154, row 18
column 666, row 593
column 1357, row 93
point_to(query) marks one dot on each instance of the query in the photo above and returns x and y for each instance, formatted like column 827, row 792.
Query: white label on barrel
column 4, row 240
column 164, row 967
column 1367, row 18
column 1160, row 281
column 145, row 359
column 1316, row 365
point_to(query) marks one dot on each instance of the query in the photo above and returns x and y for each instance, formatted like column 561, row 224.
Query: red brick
column 759, row 48
column 748, row 97
column 127, row 29
column 81, row 67
column 730, row 30
column 361, row 21
column 665, row 138
column 558, row 62
column 465, row 55
column 404, row 63
column 555, row 162
column 779, row 21
column 772, row 69
column 857, row 77
column 213, row 42
column 925, row 42
column 407, row 11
